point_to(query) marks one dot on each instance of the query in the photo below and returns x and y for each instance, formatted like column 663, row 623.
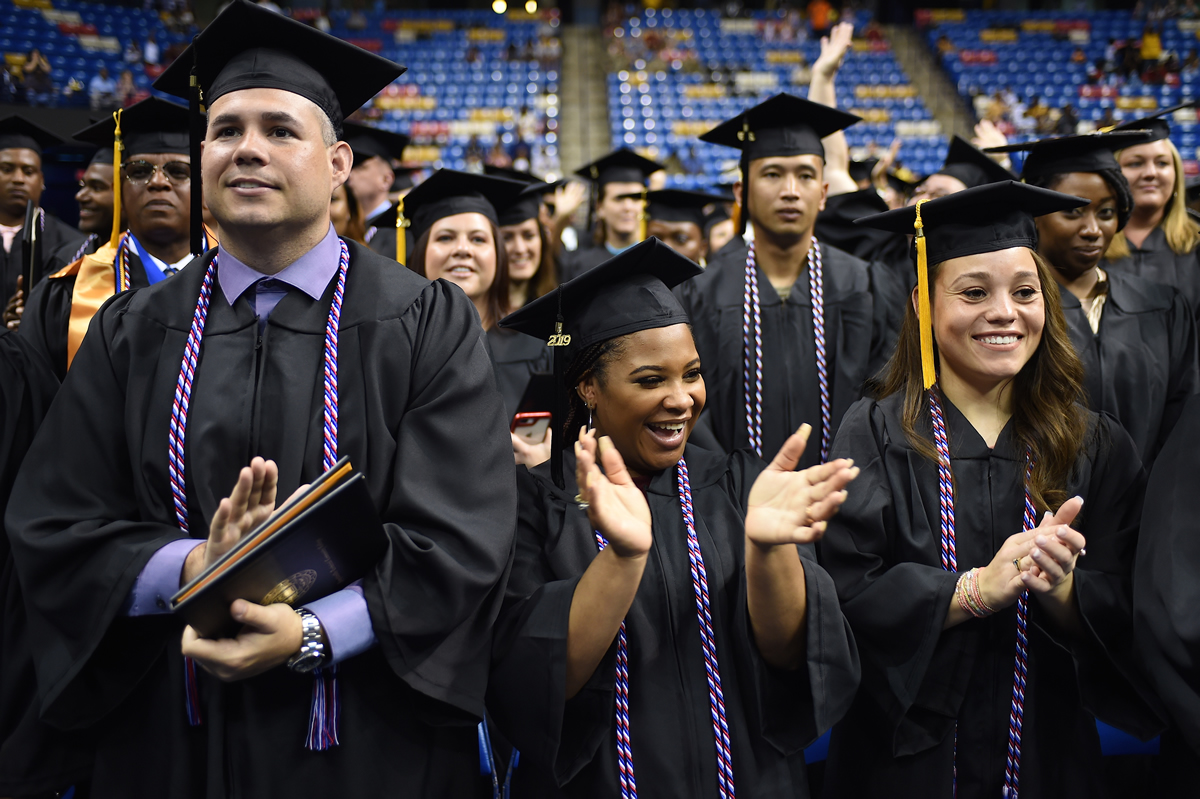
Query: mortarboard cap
column 861, row 170
column 527, row 204
column 678, row 205
column 370, row 142
column 902, row 180
column 968, row 163
column 250, row 47
column 1158, row 125
column 619, row 166
column 625, row 294
column 988, row 218
column 150, row 126
column 17, row 132
column 510, row 174
column 1088, row 152
column 781, row 126
column 448, row 192
column 404, row 177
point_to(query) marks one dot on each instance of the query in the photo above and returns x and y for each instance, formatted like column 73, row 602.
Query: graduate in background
column 990, row 638
column 617, row 666
column 35, row 758
column 22, row 181
column 616, row 217
column 676, row 218
column 528, row 243
column 156, row 190
column 787, row 331
column 1166, row 593
column 1137, row 339
column 95, row 199
column 105, row 537
column 1161, row 242
column 372, row 180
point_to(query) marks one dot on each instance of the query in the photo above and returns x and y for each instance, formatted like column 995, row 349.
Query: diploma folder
column 317, row 543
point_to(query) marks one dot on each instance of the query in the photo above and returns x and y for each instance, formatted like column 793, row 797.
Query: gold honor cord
column 924, row 318
column 401, row 225
column 118, row 146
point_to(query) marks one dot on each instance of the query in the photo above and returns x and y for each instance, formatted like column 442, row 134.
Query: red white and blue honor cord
column 752, row 357
column 1012, row 766
column 708, row 642
column 325, row 710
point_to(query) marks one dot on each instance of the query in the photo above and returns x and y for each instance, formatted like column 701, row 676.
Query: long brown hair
column 497, row 296
column 546, row 278
column 356, row 226
column 1047, row 417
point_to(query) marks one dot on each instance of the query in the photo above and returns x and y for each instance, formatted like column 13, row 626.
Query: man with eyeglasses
column 21, row 180
column 155, row 195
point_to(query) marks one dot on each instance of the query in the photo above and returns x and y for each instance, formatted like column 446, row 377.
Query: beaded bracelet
column 969, row 595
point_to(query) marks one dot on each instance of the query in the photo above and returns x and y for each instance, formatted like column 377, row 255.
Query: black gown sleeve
column 1184, row 373
column 916, row 672
column 46, row 319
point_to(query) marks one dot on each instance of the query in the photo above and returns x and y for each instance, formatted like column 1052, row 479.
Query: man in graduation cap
column 787, row 337
column 289, row 344
column 21, row 182
column 676, row 218
column 617, row 215
column 965, row 167
column 371, row 181
column 154, row 195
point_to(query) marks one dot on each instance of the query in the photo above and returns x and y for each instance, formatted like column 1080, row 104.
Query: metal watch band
column 312, row 652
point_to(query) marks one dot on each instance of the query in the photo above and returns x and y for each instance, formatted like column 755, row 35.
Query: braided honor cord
column 752, row 360
column 325, row 707
column 1012, row 767
column 708, row 642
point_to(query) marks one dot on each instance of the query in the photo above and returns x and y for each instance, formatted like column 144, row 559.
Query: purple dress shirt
column 343, row 615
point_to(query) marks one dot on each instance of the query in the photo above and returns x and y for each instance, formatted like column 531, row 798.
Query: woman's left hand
column 789, row 507
column 1049, row 568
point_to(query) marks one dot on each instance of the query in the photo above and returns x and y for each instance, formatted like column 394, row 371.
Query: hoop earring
column 589, row 423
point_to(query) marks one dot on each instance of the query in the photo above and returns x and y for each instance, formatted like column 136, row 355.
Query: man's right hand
column 248, row 505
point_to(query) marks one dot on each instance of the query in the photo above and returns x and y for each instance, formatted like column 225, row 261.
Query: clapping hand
column 616, row 507
column 1050, row 565
column 789, row 507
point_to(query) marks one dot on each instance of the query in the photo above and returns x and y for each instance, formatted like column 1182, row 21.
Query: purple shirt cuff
column 346, row 621
column 159, row 579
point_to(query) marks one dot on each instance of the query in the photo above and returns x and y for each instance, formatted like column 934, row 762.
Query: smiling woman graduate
column 988, row 638
column 666, row 626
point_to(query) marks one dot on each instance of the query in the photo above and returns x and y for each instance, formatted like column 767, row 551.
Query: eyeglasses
column 141, row 172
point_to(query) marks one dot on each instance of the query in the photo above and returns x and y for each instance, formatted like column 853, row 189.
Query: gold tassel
column 401, row 226
column 924, row 317
column 118, row 146
column 643, row 218
column 736, row 216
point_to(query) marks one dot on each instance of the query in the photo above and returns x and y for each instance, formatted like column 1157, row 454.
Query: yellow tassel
column 737, row 216
column 643, row 218
column 118, row 146
column 924, row 317
column 401, row 225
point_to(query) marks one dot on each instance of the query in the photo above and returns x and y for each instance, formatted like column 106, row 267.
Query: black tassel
column 744, row 216
column 198, row 131
column 558, row 416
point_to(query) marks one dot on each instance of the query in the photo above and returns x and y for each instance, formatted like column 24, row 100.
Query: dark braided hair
column 1112, row 176
column 590, row 362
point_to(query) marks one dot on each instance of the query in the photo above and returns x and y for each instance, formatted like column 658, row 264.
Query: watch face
column 305, row 662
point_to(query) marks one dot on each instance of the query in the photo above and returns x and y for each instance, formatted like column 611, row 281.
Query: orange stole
column 95, row 282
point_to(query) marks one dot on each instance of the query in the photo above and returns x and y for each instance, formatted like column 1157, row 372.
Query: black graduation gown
column 1157, row 262
column 383, row 241
column 515, row 358
column 1166, row 593
column 772, row 714
column 59, row 242
column 34, row 757
column 1142, row 365
column 420, row 417
column 47, row 316
column 790, row 389
column 574, row 263
column 883, row 552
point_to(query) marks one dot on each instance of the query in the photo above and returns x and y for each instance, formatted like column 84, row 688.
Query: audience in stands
column 39, row 88
column 102, row 91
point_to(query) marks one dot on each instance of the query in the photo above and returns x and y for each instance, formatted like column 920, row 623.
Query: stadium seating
column 711, row 68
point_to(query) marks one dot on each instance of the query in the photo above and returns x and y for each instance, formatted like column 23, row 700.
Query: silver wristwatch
column 312, row 652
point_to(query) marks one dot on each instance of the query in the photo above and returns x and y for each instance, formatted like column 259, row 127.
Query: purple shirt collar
column 310, row 272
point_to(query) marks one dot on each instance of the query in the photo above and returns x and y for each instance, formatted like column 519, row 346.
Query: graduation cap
column 988, row 218
column 1157, row 124
column 448, row 192
column 18, row 133
column 149, row 126
column 250, row 47
column 903, row 181
column 527, row 204
column 861, row 170
column 625, row 294
column 784, row 125
column 370, row 142
column 404, row 177
column 678, row 205
column 619, row 166
column 969, row 164
column 1087, row 152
